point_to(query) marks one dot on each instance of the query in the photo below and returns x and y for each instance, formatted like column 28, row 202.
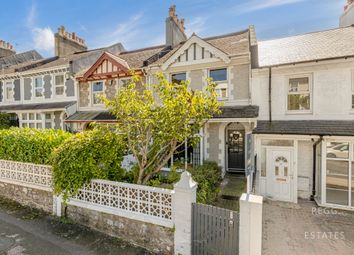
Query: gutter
column 270, row 94
column 312, row 198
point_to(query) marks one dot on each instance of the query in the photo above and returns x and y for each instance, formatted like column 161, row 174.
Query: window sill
column 298, row 112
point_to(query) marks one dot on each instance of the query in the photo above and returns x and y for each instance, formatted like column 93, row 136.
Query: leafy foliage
column 5, row 122
column 208, row 177
column 30, row 145
column 95, row 154
column 159, row 118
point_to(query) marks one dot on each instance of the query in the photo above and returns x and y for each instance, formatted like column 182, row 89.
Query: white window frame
column 306, row 111
column 61, row 85
column 35, row 88
column 93, row 93
column 35, row 121
column 9, row 84
column 222, row 84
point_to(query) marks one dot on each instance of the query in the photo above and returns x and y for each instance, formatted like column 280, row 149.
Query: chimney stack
column 68, row 43
column 347, row 17
column 6, row 49
column 174, row 28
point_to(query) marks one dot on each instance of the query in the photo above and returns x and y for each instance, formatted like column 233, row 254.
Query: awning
column 306, row 127
column 246, row 111
column 45, row 106
column 98, row 116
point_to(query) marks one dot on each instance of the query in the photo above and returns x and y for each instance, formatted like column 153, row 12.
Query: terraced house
column 39, row 92
column 225, row 58
column 304, row 86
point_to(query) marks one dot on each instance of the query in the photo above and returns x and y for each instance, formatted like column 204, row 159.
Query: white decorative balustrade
column 149, row 204
column 26, row 174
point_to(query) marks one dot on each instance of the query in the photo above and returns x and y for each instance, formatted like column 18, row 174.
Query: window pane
column 24, row 124
column 178, row 77
column 353, row 101
column 299, row 84
column 299, row 102
column 48, row 116
column 48, row 125
column 59, row 90
column 218, row 74
column 38, row 83
column 97, row 86
column 59, row 80
column 337, row 150
column 39, row 125
column 337, row 180
column 31, row 125
column 38, row 116
column 24, row 116
column 31, row 116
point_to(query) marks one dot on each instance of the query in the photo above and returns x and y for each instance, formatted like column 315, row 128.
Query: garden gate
column 214, row 230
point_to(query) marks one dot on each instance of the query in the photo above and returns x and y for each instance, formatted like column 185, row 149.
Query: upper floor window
column 299, row 98
column 9, row 91
column 220, row 77
column 38, row 87
column 178, row 77
column 59, row 85
column 97, row 92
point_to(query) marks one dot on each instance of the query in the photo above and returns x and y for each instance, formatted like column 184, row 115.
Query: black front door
column 235, row 150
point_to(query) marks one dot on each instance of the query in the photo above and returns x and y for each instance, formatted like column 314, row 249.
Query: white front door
column 280, row 173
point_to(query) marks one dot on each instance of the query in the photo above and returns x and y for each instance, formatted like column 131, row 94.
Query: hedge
column 5, row 121
column 30, row 145
column 95, row 154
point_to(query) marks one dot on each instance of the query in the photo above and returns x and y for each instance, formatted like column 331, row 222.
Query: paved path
column 27, row 232
column 306, row 230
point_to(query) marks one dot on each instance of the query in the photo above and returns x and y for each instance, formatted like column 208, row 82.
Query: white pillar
column 185, row 195
column 57, row 202
column 250, row 235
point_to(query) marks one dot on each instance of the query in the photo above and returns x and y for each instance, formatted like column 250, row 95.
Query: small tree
column 157, row 120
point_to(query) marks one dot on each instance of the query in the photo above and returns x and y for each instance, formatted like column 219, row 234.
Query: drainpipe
column 270, row 94
column 312, row 198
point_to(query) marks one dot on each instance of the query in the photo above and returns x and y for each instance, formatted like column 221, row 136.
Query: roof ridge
column 225, row 35
column 307, row 33
column 142, row 49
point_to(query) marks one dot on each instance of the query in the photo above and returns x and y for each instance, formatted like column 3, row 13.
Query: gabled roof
column 322, row 45
column 106, row 64
column 231, row 44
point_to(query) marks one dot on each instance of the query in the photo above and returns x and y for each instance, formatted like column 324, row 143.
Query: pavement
column 306, row 229
column 26, row 231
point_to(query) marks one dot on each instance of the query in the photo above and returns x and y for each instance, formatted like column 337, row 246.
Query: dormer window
column 219, row 76
column 299, row 96
column 177, row 78
column 9, row 91
column 97, row 92
column 38, row 87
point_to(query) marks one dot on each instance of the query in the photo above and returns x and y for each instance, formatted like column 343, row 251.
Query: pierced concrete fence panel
column 29, row 184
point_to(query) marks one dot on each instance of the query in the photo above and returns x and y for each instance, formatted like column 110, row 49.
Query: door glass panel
column 337, row 150
column 337, row 181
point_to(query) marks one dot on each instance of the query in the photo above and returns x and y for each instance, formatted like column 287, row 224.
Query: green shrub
column 95, row 154
column 5, row 121
column 208, row 177
column 30, row 145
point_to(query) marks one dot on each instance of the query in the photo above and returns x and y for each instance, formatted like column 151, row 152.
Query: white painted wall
column 331, row 90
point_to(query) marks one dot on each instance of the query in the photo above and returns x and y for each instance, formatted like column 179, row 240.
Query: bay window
column 219, row 76
column 31, row 120
column 299, row 96
column 97, row 92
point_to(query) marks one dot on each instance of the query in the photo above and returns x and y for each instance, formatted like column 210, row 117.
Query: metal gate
column 214, row 230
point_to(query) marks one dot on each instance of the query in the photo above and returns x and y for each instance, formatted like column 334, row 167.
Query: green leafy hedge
column 5, row 121
column 30, row 145
column 95, row 154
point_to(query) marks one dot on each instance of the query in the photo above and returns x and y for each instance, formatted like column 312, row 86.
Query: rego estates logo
column 324, row 235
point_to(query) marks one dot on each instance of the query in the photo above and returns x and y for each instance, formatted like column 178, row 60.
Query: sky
column 31, row 24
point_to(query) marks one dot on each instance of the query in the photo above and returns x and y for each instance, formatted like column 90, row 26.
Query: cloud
column 195, row 25
column 256, row 5
column 43, row 38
